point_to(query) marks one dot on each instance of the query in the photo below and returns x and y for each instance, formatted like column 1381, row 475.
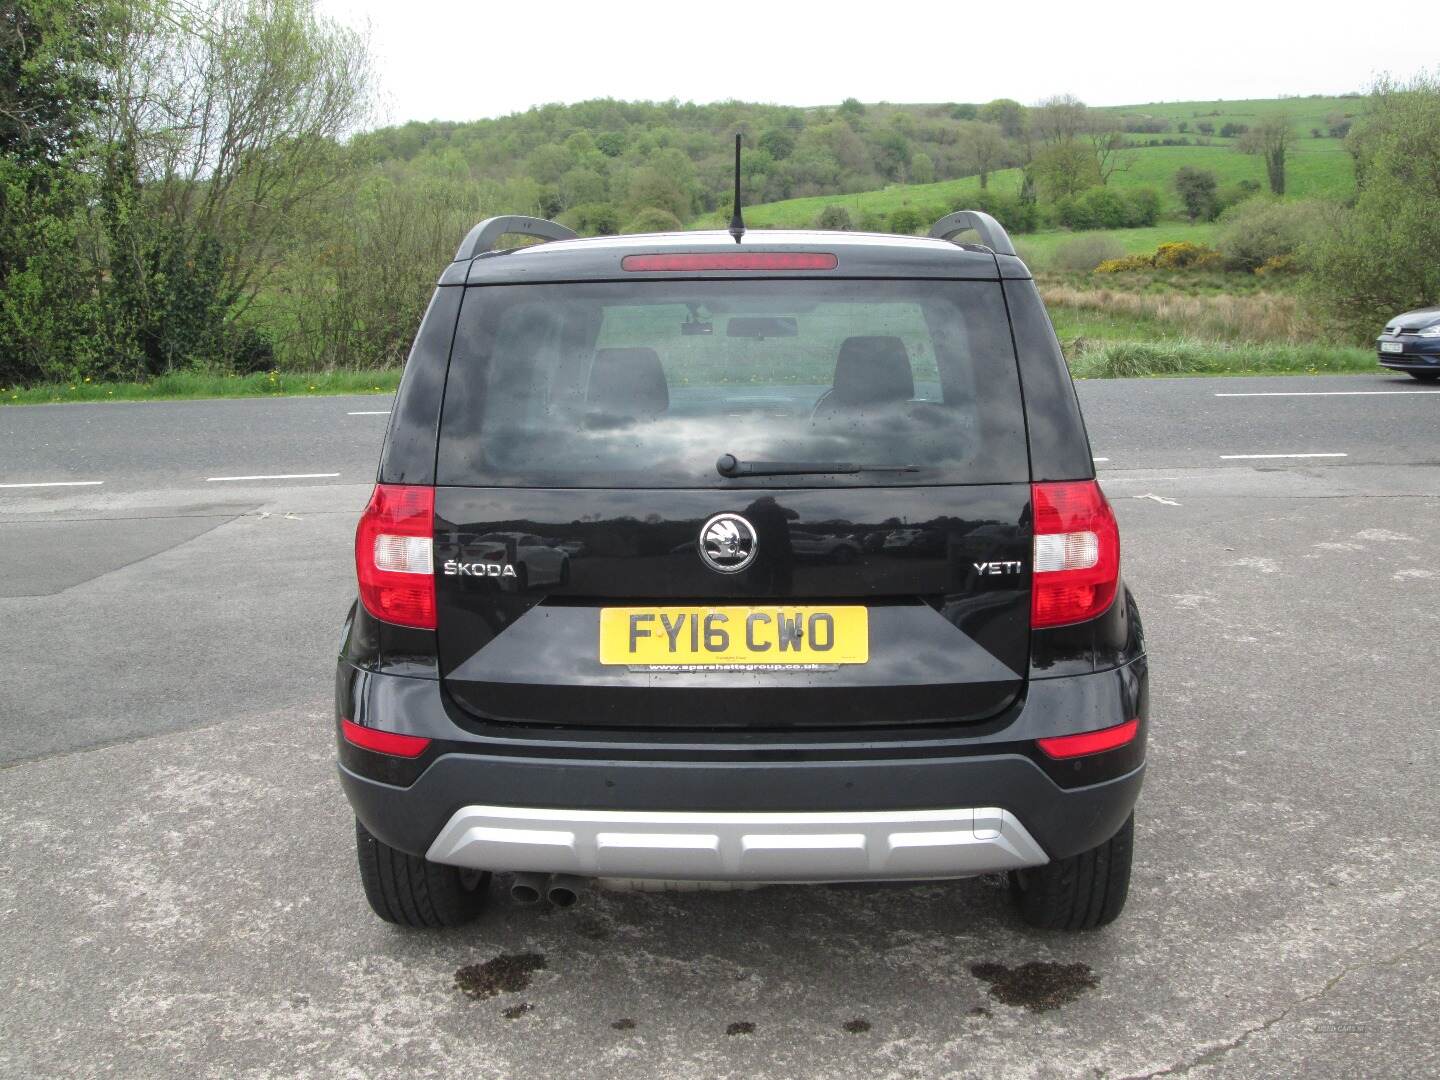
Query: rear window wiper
column 729, row 465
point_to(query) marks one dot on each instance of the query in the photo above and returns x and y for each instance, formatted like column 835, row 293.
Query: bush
column 1259, row 230
column 592, row 219
column 834, row 217
column 653, row 220
column 1234, row 194
column 907, row 221
column 1183, row 255
column 1126, row 264
column 1085, row 252
column 1015, row 213
column 1106, row 208
column 1142, row 207
column 1179, row 255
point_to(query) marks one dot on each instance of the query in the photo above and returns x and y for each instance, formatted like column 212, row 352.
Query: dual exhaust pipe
column 562, row 890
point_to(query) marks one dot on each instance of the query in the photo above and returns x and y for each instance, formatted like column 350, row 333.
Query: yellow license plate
column 767, row 634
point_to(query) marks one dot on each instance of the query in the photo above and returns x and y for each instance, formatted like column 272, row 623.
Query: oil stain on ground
column 514, row 1012
column 858, row 1026
column 741, row 1027
column 624, row 1024
column 506, row 974
column 1038, row 985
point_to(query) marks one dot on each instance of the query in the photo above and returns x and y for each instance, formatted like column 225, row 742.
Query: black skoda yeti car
column 782, row 560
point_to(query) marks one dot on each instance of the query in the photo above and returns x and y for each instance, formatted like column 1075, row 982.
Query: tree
column 1063, row 169
column 1197, row 189
column 851, row 111
column 1060, row 119
column 892, row 153
column 50, row 77
column 1379, row 257
column 1108, row 145
column 1270, row 139
column 778, row 142
column 985, row 148
column 652, row 189
column 222, row 131
column 922, row 169
column 1010, row 116
column 834, row 217
column 653, row 219
column 54, row 71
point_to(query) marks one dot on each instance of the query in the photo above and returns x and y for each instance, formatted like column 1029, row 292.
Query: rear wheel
column 1424, row 376
column 410, row 891
column 1082, row 892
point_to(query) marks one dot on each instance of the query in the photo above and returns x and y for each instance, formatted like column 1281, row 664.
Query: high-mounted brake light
column 1089, row 742
column 732, row 260
column 1077, row 553
column 383, row 742
column 394, row 556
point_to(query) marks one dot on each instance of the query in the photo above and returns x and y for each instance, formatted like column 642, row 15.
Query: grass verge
column 1139, row 359
column 191, row 384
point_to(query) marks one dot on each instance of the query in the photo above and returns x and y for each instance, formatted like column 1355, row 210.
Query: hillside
column 1317, row 168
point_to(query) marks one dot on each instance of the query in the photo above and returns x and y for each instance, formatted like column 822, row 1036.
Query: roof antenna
column 737, row 223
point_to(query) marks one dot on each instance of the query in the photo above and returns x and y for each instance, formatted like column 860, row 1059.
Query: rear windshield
column 648, row 384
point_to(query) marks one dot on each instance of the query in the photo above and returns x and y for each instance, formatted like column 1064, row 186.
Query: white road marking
column 277, row 476
column 376, row 412
column 1326, row 393
column 1141, row 479
column 1157, row 498
column 1255, row 457
column 58, row 483
column 1100, row 459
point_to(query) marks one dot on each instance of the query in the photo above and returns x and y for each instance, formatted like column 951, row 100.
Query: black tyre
column 1082, row 892
column 410, row 891
column 1424, row 376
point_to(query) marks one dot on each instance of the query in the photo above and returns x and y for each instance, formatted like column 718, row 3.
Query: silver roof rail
column 992, row 234
column 483, row 237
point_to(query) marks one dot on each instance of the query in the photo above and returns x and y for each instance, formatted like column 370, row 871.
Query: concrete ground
column 178, row 895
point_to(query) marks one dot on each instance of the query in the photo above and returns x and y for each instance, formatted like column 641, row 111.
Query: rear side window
column 647, row 384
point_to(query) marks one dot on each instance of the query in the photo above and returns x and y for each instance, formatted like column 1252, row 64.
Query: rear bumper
column 874, row 820
column 878, row 806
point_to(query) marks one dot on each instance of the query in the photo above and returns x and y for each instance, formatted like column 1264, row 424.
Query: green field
column 1318, row 168
column 1304, row 112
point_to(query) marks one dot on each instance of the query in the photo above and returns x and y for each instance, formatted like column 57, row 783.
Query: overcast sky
column 466, row 59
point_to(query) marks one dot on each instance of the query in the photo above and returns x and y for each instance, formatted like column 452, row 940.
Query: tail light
column 394, row 555
column 1077, row 553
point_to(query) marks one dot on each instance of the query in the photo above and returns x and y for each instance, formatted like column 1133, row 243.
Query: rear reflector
column 383, row 742
column 394, row 556
column 1077, row 553
column 732, row 260
column 1089, row 742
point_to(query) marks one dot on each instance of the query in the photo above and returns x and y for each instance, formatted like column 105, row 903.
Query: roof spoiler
column 992, row 234
column 483, row 237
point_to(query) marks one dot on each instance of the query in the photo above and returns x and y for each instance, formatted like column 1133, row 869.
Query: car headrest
column 872, row 371
column 627, row 383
